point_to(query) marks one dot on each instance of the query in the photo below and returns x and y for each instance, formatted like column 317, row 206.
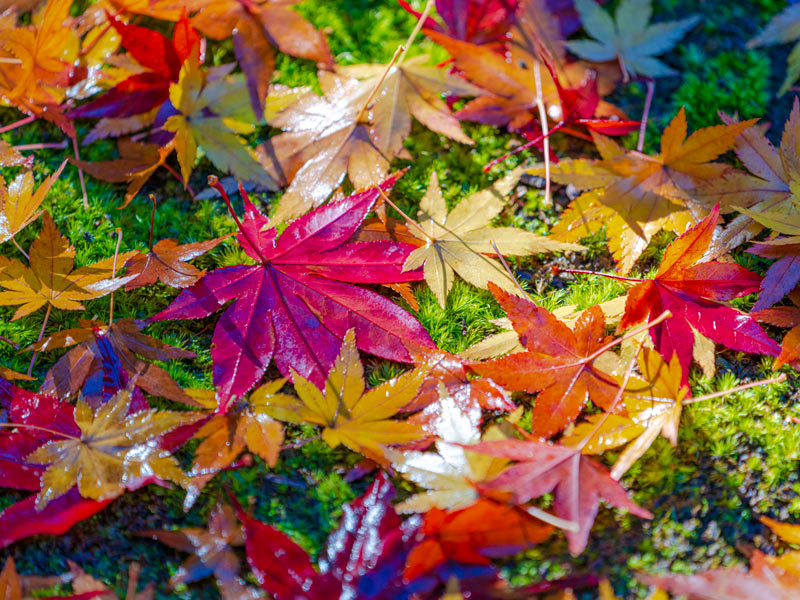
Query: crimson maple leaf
column 693, row 291
column 475, row 21
column 363, row 559
column 297, row 303
column 146, row 91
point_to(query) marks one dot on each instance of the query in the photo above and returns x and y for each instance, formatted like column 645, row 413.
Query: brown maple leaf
column 51, row 278
column 636, row 195
column 212, row 552
column 167, row 262
column 256, row 27
column 95, row 344
column 137, row 162
column 324, row 139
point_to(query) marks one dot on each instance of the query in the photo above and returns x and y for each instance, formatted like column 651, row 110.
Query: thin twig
column 408, row 219
column 54, row 145
column 379, row 84
column 524, row 146
column 152, row 220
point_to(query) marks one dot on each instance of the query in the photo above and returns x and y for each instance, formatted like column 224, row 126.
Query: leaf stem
column 651, row 86
column 54, row 145
column 408, row 219
column 80, row 173
column 537, row 76
column 300, row 443
column 41, row 335
column 19, row 123
column 509, row 271
column 177, row 176
column 379, row 84
column 9, row 342
column 738, row 388
column 152, row 219
column 524, row 146
column 417, row 28
column 214, row 182
column 113, row 275
column 25, row 254
column 632, row 333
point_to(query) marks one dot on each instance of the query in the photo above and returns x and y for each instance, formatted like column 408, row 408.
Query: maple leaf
column 19, row 203
column 114, row 449
column 411, row 88
column 297, row 303
column 245, row 424
column 636, row 195
column 212, row 552
column 790, row 350
column 693, row 291
column 83, row 583
column 39, row 67
column 350, row 568
column 577, row 483
column 452, row 474
column 628, row 37
column 256, row 27
column 459, row 241
column 51, row 278
column 781, row 29
column 167, row 262
column 782, row 275
column 653, row 405
column 566, row 367
column 350, row 415
column 324, row 139
column 768, row 188
column 472, row 535
column 161, row 57
column 764, row 580
column 106, row 358
column 137, row 162
column 476, row 21
column 10, row 157
column 212, row 112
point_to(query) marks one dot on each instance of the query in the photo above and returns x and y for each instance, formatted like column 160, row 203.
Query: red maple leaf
column 297, row 303
column 693, row 291
column 162, row 57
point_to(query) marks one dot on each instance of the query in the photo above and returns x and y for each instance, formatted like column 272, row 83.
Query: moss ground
column 737, row 457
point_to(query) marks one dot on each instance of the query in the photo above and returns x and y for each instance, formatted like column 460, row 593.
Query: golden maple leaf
column 350, row 415
column 51, row 277
column 19, row 203
column 637, row 195
column 115, row 449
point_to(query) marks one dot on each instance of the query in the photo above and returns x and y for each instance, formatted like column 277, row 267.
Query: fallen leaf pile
column 312, row 319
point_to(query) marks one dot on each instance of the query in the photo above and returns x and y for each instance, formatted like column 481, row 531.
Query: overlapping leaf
column 19, row 203
column 168, row 262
